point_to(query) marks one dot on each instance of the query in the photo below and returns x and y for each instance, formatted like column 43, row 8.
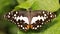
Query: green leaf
column 18, row 32
column 50, row 5
column 6, row 5
column 21, row 1
column 13, row 29
column 27, row 4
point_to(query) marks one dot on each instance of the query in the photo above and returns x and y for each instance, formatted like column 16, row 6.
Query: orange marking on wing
column 28, row 26
column 31, row 26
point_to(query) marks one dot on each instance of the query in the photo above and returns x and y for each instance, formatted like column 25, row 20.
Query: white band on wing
column 22, row 18
column 34, row 19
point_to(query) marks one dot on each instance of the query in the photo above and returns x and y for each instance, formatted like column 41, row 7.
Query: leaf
column 6, row 5
column 13, row 29
column 21, row 1
column 27, row 4
column 50, row 5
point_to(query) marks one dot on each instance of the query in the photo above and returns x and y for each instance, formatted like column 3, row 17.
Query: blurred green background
column 7, row 27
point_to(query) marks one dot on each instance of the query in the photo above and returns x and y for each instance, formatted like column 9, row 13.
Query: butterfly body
column 30, row 20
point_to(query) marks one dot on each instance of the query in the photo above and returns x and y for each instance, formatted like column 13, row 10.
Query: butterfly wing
column 40, row 17
column 19, row 18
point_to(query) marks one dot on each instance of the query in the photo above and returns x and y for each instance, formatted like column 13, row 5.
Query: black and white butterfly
column 26, row 20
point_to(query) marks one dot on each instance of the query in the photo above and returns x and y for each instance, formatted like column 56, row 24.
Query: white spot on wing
column 25, row 28
column 22, row 18
column 45, row 15
column 51, row 16
column 14, row 14
column 43, row 12
column 55, row 15
column 17, row 23
column 50, row 12
column 15, row 17
column 37, row 18
column 40, row 25
column 37, row 25
column 35, row 28
column 9, row 13
column 8, row 16
column 21, row 26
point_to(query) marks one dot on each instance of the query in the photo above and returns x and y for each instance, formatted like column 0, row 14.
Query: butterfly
column 26, row 20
